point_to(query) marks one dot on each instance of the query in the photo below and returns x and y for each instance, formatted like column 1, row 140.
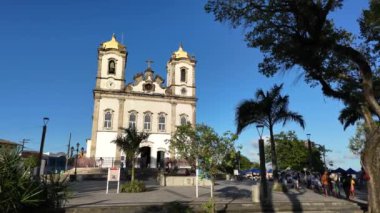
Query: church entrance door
column 160, row 159
column 145, row 157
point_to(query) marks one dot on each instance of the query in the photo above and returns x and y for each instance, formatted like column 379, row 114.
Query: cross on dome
column 149, row 62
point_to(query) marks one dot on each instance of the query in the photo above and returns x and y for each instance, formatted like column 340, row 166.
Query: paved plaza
column 92, row 195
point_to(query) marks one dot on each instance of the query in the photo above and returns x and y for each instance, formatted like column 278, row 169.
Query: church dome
column 113, row 44
column 180, row 54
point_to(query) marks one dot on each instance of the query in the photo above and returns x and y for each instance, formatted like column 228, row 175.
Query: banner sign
column 113, row 176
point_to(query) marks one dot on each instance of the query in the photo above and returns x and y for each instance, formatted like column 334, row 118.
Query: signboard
column 236, row 172
column 113, row 176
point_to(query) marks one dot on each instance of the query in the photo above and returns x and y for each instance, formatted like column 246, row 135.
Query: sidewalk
column 93, row 194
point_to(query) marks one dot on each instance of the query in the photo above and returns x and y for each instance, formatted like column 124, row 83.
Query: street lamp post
column 45, row 120
column 263, row 178
column 310, row 153
column 76, row 161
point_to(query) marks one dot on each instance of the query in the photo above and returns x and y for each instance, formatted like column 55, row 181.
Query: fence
column 92, row 162
column 107, row 162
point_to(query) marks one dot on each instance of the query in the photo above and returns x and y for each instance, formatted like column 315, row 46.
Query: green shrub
column 133, row 186
column 209, row 207
column 55, row 190
column 21, row 192
column 18, row 190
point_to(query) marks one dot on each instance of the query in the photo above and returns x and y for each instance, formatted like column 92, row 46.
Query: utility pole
column 24, row 141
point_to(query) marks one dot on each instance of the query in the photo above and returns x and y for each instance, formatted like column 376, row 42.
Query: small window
column 183, row 120
column 132, row 121
column 147, row 122
column 111, row 67
column 183, row 75
column 161, row 123
column 108, row 120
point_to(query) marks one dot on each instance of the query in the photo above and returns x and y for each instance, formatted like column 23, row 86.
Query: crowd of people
column 327, row 183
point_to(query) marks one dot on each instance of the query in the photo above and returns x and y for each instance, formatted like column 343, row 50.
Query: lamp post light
column 263, row 178
column 310, row 153
column 81, row 151
column 45, row 120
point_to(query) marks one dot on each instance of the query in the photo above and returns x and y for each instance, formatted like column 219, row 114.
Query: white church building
column 146, row 103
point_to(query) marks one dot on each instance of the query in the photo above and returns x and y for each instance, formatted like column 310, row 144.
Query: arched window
column 132, row 120
column 108, row 119
column 111, row 67
column 161, row 123
column 147, row 121
column 183, row 120
column 183, row 75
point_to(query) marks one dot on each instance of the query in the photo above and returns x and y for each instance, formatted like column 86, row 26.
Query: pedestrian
column 101, row 162
column 352, row 188
column 346, row 184
column 325, row 183
column 308, row 178
column 334, row 184
column 296, row 178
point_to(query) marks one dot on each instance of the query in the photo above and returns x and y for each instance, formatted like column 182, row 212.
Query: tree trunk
column 371, row 162
column 274, row 155
column 212, row 188
column 133, row 170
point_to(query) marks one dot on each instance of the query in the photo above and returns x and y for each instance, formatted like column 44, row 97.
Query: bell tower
column 112, row 57
column 181, row 73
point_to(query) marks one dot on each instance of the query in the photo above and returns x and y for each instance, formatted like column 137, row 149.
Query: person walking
column 346, row 185
column 352, row 188
column 334, row 184
column 325, row 183
column 296, row 179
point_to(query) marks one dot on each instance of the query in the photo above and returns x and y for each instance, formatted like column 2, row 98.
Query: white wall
column 104, row 147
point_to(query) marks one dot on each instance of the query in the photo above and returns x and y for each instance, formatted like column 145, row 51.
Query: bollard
column 256, row 193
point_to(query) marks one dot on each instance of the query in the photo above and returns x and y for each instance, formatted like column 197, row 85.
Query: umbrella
column 255, row 170
column 351, row 171
column 339, row 170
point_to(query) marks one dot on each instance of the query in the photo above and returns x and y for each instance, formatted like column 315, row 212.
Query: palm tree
column 268, row 108
column 130, row 145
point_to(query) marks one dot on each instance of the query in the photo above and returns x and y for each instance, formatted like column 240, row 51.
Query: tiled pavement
column 93, row 193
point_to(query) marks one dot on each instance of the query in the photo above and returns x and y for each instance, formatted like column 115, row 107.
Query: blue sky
column 49, row 57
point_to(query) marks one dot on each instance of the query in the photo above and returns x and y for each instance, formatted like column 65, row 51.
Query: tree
column 230, row 162
column 268, row 108
column 245, row 163
column 292, row 153
column 129, row 143
column 202, row 143
column 302, row 34
column 356, row 143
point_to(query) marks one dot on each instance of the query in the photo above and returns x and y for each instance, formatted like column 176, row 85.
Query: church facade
column 146, row 104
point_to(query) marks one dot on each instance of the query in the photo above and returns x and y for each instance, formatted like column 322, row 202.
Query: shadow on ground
column 175, row 206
